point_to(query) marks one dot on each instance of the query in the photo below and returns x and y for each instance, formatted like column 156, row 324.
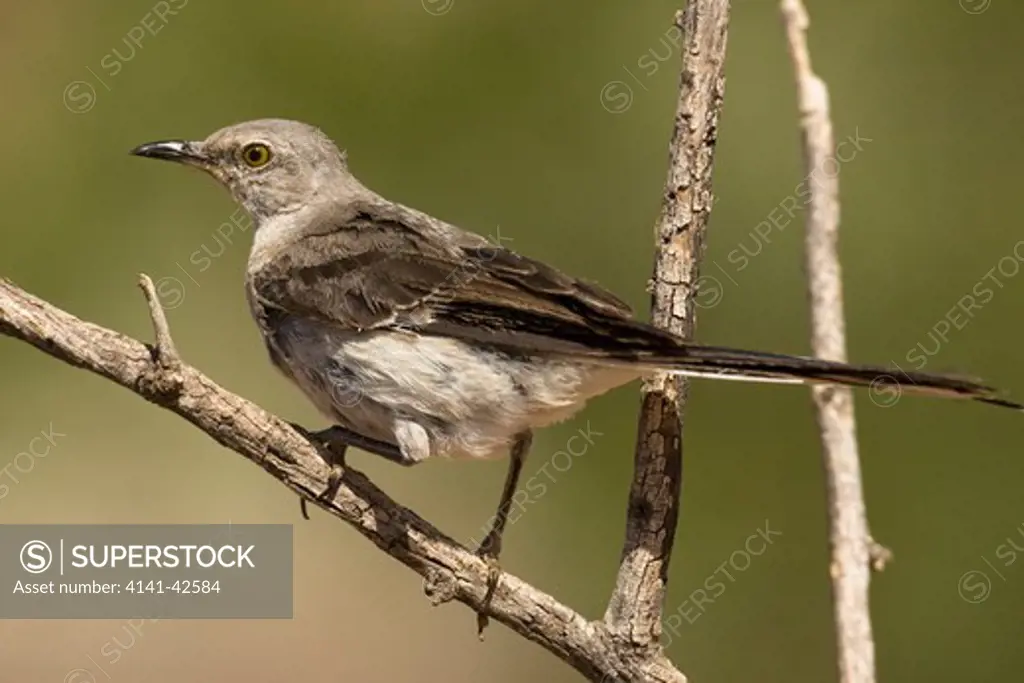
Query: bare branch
column 451, row 571
column 851, row 543
column 635, row 610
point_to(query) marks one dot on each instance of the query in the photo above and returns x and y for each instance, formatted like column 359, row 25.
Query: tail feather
column 731, row 364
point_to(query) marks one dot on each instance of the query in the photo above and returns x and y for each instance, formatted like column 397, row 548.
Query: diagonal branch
column 635, row 610
column 850, row 541
column 275, row 446
column 451, row 571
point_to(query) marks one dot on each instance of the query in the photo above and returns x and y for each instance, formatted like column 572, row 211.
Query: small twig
column 166, row 353
column 850, row 541
column 635, row 609
column 879, row 554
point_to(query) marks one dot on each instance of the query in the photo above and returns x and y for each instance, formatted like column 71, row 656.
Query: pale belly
column 433, row 395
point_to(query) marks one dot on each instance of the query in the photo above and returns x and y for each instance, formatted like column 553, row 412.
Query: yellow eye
column 256, row 154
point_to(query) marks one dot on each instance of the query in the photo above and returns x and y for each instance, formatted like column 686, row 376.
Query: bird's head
column 270, row 166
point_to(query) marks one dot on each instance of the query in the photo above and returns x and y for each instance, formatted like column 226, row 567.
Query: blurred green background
column 550, row 120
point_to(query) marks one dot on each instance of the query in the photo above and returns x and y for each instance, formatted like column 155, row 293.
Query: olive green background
column 497, row 114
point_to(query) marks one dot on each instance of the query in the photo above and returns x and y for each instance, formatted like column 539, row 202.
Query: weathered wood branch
column 453, row 572
column 634, row 613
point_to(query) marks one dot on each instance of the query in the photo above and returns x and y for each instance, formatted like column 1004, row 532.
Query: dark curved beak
column 182, row 151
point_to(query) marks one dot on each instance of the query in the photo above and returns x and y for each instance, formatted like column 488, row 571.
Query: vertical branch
column 635, row 609
column 850, row 542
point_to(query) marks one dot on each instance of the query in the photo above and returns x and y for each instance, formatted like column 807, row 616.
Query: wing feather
column 373, row 272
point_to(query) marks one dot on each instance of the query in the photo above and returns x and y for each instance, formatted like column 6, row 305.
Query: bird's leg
column 332, row 444
column 490, row 549
column 342, row 436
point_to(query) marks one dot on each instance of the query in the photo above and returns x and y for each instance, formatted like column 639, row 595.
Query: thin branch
column 635, row 610
column 850, row 540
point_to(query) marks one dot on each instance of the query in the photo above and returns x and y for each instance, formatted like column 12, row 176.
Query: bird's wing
column 374, row 273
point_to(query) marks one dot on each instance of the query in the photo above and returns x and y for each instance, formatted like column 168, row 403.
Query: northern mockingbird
column 422, row 340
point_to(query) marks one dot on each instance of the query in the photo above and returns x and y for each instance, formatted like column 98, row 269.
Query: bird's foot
column 488, row 551
column 333, row 453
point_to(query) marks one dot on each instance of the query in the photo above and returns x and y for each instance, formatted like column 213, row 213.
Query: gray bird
column 419, row 339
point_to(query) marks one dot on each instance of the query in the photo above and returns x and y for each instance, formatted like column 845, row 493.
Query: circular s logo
column 616, row 97
column 170, row 291
column 885, row 391
column 975, row 6
column 79, row 676
column 79, row 97
column 974, row 586
column 709, row 291
column 36, row 557
column 437, row 7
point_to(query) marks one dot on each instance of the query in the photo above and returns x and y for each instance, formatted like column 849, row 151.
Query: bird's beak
column 181, row 151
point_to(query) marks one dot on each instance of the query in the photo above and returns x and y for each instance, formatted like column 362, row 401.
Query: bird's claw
column 333, row 453
column 488, row 551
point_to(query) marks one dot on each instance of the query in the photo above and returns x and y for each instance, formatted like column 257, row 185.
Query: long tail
column 886, row 385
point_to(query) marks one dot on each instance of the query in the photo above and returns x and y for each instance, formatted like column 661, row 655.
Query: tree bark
column 634, row 613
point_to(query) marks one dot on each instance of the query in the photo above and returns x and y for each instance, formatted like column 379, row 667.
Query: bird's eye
column 256, row 154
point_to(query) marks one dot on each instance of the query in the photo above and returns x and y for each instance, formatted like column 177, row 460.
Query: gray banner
column 154, row 571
